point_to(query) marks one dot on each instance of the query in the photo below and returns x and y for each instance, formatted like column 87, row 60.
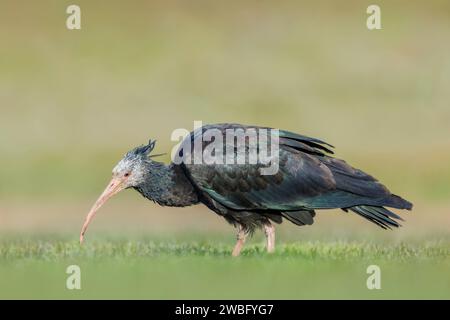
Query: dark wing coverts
column 307, row 179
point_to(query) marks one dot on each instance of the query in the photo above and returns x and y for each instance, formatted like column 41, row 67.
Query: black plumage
column 308, row 179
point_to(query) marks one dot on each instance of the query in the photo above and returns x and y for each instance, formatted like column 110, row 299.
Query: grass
column 54, row 251
column 193, row 270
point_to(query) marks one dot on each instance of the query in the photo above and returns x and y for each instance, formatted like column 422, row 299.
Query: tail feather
column 378, row 215
column 395, row 201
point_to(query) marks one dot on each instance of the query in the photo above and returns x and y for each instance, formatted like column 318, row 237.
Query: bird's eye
column 126, row 174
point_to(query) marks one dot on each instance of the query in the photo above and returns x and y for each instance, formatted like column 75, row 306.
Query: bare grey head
column 134, row 170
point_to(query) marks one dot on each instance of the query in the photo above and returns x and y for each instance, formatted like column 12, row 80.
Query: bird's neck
column 168, row 186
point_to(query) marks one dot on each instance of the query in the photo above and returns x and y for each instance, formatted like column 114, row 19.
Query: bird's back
column 307, row 178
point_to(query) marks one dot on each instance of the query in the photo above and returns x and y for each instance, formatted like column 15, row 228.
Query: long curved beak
column 115, row 186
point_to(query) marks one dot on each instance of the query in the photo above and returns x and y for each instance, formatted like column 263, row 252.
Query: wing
column 306, row 179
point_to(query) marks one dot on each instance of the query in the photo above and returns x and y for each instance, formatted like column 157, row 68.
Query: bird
column 308, row 178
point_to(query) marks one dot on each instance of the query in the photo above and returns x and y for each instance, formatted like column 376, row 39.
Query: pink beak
column 115, row 186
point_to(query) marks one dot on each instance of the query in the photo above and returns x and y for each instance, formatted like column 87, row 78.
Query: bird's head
column 131, row 169
column 129, row 172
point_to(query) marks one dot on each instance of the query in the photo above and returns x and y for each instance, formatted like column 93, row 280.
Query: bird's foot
column 241, row 235
column 237, row 248
column 269, row 231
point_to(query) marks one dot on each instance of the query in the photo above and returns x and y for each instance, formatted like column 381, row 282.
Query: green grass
column 189, row 269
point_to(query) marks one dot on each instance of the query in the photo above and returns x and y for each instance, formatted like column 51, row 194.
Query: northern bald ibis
column 308, row 178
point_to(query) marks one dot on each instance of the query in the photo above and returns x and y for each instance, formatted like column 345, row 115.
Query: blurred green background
column 73, row 102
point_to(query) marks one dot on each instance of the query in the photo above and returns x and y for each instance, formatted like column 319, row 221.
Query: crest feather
column 143, row 150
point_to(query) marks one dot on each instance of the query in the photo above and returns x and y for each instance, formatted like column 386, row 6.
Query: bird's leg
column 269, row 230
column 241, row 235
